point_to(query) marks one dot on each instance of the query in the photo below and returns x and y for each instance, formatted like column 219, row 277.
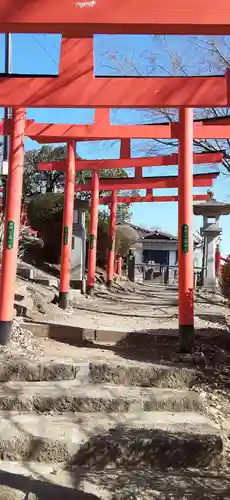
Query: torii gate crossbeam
column 156, row 161
column 77, row 86
column 102, row 129
column 206, row 17
column 164, row 182
column 148, row 198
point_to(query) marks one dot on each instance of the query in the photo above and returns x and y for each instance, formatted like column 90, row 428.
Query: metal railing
column 163, row 274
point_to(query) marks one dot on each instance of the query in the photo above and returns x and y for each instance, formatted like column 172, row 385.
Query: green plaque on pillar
column 66, row 235
column 10, row 235
column 185, row 238
column 91, row 241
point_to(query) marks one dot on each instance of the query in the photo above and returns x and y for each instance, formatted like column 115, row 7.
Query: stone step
column 142, row 374
column 122, row 372
column 45, row 481
column 69, row 396
column 20, row 368
column 140, row 439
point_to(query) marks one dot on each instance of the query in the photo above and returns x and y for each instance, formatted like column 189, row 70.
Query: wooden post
column 185, row 240
column 92, row 252
column 12, row 224
column 112, row 237
column 67, row 226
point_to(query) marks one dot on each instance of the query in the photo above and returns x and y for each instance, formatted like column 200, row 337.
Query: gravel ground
column 22, row 344
column 133, row 308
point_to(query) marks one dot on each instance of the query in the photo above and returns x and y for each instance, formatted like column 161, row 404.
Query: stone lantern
column 211, row 210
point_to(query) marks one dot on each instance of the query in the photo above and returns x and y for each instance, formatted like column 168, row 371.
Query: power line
column 53, row 44
column 45, row 50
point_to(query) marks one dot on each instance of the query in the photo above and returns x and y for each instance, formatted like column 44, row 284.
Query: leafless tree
column 196, row 55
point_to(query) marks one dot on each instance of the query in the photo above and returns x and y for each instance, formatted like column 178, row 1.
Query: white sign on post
column 4, row 167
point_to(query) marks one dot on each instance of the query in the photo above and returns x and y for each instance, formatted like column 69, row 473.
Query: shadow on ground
column 210, row 360
column 122, row 484
column 153, row 485
column 15, row 486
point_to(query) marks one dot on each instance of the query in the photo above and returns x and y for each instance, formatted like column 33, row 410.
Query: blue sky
column 130, row 55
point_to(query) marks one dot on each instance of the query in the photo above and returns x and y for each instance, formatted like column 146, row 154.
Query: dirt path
column 145, row 307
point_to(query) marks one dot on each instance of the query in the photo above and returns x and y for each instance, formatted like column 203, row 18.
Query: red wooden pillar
column 119, row 266
column 217, row 261
column 12, row 224
column 112, row 235
column 92, row 252
column 67, row 224
column 185, row 240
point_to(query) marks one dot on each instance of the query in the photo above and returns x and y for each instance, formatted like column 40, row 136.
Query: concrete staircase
column 104, row 430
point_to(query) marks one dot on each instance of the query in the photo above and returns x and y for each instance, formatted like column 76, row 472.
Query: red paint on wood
column 199, row 180
column 198, row 158
column 185, row 238
column 92, row 132
column 92, row 251
column 75, row 18
column 217, row 261
column 77, row 86
column 67, row 223
column 112, row 236
column 149, row 199
column 53, row 133
column 13, row 215
column 125, row 149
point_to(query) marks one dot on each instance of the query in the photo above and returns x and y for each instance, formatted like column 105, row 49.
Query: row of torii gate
column 96, row 185
column 77, row 86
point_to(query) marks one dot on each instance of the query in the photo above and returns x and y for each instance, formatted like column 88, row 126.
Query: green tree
column 36, row 182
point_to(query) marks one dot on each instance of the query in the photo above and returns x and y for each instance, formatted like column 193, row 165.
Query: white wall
column 138, row 255
column 172, row 258
column 197, row 257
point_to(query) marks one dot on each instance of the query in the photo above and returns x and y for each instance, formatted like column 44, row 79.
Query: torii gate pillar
column 92, row 251
column 12, row 224
column 67, row 225
column 185, row 240
column 112, row 235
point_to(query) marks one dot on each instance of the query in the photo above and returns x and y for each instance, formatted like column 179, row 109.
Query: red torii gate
column 125, row 152
column 125, row 161
column 113, row 201
column 68, row 205
column 118, row 184
column 77, row 86
column 95, row 186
